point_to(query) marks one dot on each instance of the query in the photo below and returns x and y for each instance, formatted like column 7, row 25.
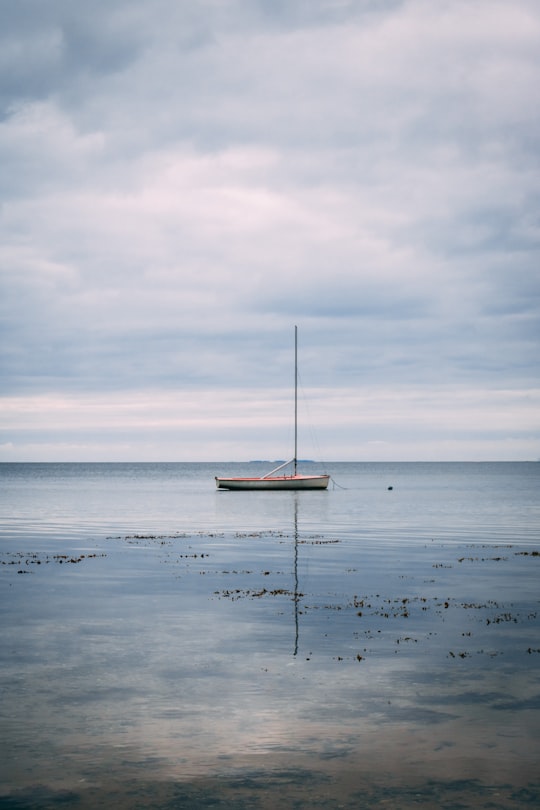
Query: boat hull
column 275, row 482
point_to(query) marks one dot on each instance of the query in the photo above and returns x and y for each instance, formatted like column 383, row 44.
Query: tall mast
column 295, row 396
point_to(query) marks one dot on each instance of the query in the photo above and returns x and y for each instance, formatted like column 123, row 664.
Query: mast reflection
column 297, row 595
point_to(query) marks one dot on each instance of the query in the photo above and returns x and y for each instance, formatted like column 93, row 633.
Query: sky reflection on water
column 183, row 656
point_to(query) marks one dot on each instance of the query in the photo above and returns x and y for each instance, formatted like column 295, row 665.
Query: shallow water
column 164, row 644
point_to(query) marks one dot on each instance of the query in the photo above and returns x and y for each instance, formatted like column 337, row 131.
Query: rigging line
column 335, row 483
column 313, row 435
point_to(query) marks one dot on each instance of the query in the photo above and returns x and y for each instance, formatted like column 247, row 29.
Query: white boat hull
column 275, row 482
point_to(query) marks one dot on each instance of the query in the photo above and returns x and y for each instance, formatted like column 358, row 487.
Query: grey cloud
column 48, row 48
column 180, row 176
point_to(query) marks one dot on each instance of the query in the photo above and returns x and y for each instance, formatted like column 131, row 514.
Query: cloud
column 182, row 183
column 351, row 424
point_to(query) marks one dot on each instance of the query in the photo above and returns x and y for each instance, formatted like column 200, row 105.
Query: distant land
column 279, row 461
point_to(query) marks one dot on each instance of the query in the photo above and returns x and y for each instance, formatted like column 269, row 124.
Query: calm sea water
column 164, row 644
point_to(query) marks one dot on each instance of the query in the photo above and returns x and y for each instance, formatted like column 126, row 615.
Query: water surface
column 164, row 644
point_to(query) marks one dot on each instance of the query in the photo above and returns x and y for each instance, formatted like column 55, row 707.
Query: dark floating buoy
column 390, row 488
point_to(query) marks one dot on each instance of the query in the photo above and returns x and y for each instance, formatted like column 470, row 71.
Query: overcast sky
column 183, row 181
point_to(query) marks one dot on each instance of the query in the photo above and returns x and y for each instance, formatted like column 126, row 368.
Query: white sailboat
column 271, row 480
